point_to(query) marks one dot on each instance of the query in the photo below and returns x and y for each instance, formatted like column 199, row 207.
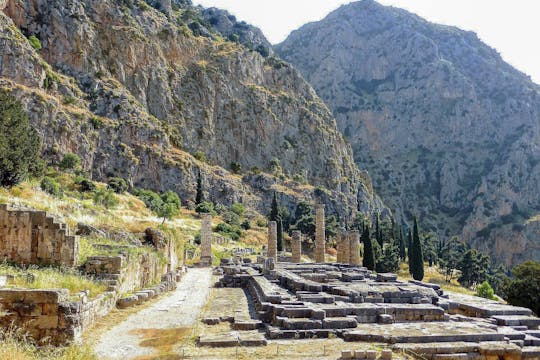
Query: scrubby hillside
column 446, row 128
column 144, row 91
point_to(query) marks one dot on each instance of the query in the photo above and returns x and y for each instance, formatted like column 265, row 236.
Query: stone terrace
column 296, row 301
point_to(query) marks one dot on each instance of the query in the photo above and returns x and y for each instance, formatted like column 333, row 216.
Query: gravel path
column 180, row 309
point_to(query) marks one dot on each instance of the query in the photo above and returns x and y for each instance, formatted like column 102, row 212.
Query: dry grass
column 432, row 274
column 15, row 345
column 34, row 277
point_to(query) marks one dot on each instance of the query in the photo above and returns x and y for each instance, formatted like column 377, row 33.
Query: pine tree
column 19, row 142
column 275, row 216
column 274, row 210
column 417, row 258
column 199, row 198
column 402, row 251
column 369, row 258
column 409, row 249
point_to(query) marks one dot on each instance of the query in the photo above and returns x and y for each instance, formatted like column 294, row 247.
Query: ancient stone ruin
column 36, row 237
column 206, row 240
column 294, row 300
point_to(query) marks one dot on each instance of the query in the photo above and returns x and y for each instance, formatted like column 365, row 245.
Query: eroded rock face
column 132, row 91
column 447, row 129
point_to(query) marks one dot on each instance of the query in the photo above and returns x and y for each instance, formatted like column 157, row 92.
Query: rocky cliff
column 137, row 88
column 446, row 128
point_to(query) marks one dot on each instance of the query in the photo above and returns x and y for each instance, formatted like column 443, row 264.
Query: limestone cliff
column 135, row 89
column 446, row 128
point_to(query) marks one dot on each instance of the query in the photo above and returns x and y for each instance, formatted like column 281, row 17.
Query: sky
column 510, row 26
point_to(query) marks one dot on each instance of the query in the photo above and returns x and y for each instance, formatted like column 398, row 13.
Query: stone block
column 371, row 354
column 347, row 354
column 385, row 319
column 386, row 354
column 45, row 322
column 127, row 302
column 360, row 354
column 340, row 323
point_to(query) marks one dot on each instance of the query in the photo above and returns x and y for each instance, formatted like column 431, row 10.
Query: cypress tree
column 199, row 198
column 402, row 251
column 274, row 210
column 417, row 258
column 279, row 234
column 409, row 247
column 19, row 142
column 378, row 234
column 369, row 257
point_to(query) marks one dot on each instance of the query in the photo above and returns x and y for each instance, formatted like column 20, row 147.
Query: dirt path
column 177, row 311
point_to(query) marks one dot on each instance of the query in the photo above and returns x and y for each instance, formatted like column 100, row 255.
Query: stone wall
column 35, row 237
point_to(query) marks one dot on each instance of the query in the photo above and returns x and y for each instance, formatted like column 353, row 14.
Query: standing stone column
column 272, row 240
column 320, row 236
column 355, row 247
column 296, row 246
column 206, row 240
column 345, row 247
column 339, row 249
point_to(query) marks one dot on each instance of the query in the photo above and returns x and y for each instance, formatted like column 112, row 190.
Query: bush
column 206, row 207
column 50, row 186
column 151, row 199
column 231, row 218
column 34, row 42
column 246, row 225
column 238, row 209
column 199, row 155
column 105, row 198
column 118, row 185
column 232, row 231
column 220, row 209
column 170, row 206
column 262, row 222
column 236, row 167
column 70, row 162
column 485, row 290
column 86, row 185
column 19, row 143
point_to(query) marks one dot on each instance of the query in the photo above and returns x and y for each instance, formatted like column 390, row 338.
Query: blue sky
column 510, row 26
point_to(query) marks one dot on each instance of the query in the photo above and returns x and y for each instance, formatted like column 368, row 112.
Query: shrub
column 485, row 290
column 232, row 231
column 246, row 225
column 19, row 143
column 236, row 167
column 34, row 42
column 231, row 218
column 86, row 185
column 220, row 209
column 96, row 122
column 170, row 205
column 118, row 185
column 151, row 199
column 50, row 186
column 70, row 162
column 206, row 207
column 238, row 209
column 106, row 198
column 199, row 155
column 262, row 222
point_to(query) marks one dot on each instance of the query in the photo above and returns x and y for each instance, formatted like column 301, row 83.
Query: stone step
column 517, row 320
column 531, row 341
column 362, row 335
column 530, row 352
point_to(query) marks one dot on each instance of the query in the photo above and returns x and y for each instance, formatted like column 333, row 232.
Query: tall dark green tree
column 523, row 288
column 409, row 248
column 378, row 233
column 199, row 197
column 402, row 251
column 369, row 257
column 275, row 216
column 19, row 142
column 416, row 256
column 474, row 268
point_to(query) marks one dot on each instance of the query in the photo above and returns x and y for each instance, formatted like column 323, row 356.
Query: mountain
column 151, row 92
column 445, row 127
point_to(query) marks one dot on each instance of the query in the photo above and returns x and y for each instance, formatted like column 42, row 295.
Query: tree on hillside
column 199, row 197
column 416, row 255
column 409, row 249
column 389, row 261
column 304, row 220
column 378, row 233
column 369, row 257
column 19, row 142
column 474, row 268
column 402, row 251
column 523, row 289
column 170, row 206
column 450, row 257
column 276, row 216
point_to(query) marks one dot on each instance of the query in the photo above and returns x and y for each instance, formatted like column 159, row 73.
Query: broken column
column 272, row 240
column 296, row 246
column 339, row 249
column 206, row 240
column 354, row 237
column 320, row 236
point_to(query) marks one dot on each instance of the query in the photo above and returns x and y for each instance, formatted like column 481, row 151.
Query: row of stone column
column 348, row 248
column 296, row 243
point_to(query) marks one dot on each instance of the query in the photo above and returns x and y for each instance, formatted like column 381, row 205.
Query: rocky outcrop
column 446, row 128
column 135, row 92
